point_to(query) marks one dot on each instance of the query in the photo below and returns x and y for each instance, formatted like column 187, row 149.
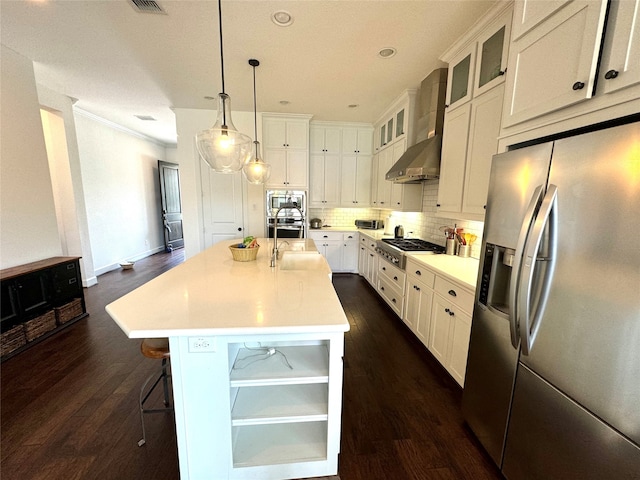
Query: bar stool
column 156, row 348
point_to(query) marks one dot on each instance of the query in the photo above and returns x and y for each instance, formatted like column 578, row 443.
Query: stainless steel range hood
column 422, row 161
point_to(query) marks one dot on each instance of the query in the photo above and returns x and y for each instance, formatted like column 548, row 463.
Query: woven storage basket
column 68, row 311
column 244, row 254
column 40, row 325
column 12, row 340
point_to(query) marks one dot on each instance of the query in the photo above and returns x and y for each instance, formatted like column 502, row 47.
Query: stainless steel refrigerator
column 552, row 386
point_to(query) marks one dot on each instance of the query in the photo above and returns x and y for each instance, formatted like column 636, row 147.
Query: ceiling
column 119, row 63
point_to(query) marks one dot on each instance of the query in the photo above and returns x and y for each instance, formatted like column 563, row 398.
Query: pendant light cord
column 221, row 49
column 255, row 112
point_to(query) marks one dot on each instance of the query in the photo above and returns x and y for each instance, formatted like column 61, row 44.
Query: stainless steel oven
column 291, row 219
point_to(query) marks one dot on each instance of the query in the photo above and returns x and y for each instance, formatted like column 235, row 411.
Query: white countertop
column 459, row 269
column 211, row 294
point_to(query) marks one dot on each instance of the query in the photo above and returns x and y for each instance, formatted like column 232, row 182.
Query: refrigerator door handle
column 530, row 321
column 517, row 263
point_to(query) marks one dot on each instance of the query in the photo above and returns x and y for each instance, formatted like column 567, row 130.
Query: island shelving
column 257, row 372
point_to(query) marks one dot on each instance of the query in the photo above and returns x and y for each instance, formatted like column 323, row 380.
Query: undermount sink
column 303, row 260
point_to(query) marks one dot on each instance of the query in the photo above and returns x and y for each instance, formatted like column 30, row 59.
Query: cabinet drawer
column 393, row 274
column 320, row 236
column 418, row 273
column 391, row 294
column 455, row 294
column 350, row 237
column 368, row 242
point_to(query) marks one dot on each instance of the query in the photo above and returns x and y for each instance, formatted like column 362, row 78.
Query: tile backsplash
column 424, row 225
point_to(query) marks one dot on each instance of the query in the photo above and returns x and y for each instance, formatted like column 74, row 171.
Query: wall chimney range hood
column 422, row 161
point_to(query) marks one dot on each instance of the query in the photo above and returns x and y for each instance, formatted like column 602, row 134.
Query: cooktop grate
column 413, row 245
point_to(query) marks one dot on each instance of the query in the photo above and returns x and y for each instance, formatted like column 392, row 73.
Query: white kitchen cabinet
column 493, row 54
column 529, row 13
column 355, row 180
column 324, row 180
column 340, row 249
column 460, row 78
column 350, row 252
column 285, row 132
column 620, row 67
column 356, row 167
column 325, row 139
column 391, row 285
column 286, row 149
column 419, row 298
column 397, row 122
column 383, row 190
column 453, row 160
column 451, row 326
column 357, row 141
column 547, row 44
column 368, row 260
column 289, row 168
column 470, row 140
column 470, row 136
column 553, row 64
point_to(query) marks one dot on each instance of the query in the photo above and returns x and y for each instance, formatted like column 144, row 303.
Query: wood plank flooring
column 69, row 404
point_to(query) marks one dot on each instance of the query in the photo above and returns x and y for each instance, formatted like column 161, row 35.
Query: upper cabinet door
column 298, row 134
column 493, row 50
column 554, row 64
column 529, row 13
column 460, row 78
column 620, row 66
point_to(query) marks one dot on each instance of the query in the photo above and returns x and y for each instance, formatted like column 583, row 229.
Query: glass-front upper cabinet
column 400, row 123
column 460, row 81
column 389, row 131
column 493, row 49
column 383, row 135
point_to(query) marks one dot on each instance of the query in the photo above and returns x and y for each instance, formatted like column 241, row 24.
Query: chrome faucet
column 274, row 252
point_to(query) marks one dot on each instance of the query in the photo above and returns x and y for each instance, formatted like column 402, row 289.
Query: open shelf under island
column 256, row 361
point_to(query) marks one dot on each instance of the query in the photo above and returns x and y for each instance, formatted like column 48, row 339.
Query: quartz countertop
column 211, row 294
column 459, row 269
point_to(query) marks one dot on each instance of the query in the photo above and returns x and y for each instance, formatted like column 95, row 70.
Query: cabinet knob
column 453, row 293
column 578, row 86
column 502, row 72
column 417, row 288
column 395, row 278
column 611, row 74
column 239, row 229
column 393, row 300
column 418, row 272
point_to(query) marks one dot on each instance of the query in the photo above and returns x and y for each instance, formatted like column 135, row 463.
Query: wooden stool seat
column 157, row 349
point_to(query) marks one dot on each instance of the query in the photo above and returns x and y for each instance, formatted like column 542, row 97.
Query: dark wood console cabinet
column 38, row 299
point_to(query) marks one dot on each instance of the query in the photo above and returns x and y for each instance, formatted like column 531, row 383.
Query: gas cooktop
column 414, row 245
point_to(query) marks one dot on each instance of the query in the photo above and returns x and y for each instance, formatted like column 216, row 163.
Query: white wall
column 189, row 122
column 64, row 160
column 122, row 194
column 28, row 226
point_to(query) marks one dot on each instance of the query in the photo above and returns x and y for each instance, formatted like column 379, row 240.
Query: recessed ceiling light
column 387, row 52
column 353, row 105
column 284, row 102
column 147, row 118
column 208, row 97
column 282, row 18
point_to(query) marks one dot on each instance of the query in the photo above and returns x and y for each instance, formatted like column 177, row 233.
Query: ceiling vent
column 147, row 6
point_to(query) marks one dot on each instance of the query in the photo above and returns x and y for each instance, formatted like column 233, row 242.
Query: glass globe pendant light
column 222, row 146
column 256, row 171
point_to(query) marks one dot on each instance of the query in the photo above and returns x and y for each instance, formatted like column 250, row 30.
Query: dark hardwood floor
column 69, row 404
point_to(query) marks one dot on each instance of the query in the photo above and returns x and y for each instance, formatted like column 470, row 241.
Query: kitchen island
column 256, row 361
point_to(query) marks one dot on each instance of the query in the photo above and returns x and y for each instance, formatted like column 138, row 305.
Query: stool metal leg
column 164, row 376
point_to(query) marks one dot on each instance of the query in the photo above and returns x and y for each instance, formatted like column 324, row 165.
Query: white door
column 221, row 205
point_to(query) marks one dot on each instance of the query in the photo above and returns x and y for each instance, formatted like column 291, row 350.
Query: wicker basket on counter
column 68, row 311
column 40, row 325
column 244, row 254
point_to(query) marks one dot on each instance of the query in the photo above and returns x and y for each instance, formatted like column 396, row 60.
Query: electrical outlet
column 202, row 344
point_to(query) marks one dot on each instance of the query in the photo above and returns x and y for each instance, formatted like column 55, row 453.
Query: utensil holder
column 450, row 248
column 464, row 250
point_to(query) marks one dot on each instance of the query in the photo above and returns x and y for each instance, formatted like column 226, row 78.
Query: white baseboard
column 132, row 258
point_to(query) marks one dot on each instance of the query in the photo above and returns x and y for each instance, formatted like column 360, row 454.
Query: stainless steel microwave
column 280, row 198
